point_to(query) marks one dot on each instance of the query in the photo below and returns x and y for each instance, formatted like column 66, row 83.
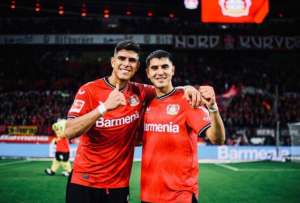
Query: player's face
column 125, row 63
column 160, row 71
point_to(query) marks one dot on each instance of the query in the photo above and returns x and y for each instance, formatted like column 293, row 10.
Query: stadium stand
column 251, row 107
column 49, row 76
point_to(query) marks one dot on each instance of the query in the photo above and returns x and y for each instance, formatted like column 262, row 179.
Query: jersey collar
column 111, row 85
column 167, row 95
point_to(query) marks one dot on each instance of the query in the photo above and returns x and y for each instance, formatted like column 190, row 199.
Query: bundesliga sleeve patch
column 77, row 106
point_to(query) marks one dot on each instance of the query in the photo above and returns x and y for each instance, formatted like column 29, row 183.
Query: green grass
column 25, row 182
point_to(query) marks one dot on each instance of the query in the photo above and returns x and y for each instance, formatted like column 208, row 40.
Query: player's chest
column 133, row 101
column 164, row 113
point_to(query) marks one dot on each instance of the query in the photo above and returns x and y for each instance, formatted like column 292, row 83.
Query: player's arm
column 216, row 133
column 190, row 93
column 81, row 124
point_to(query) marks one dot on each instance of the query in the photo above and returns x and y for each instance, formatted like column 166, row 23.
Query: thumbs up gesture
column 115, row 98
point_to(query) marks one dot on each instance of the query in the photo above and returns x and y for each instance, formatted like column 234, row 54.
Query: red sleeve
column 198, row 119
column 81, row 104
column 148, row 91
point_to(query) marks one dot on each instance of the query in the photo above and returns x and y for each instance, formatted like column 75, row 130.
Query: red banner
column 234, row 11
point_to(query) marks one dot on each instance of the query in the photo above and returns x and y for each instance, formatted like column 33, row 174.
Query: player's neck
column 164, row 90
column 113, row 80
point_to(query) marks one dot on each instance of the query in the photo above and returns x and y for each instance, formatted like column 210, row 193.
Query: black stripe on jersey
column 202, row 131
column 111, row 85
column 166, row 95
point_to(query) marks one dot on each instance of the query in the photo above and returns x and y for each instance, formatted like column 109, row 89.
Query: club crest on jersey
column 173, row 109
column 133, row 100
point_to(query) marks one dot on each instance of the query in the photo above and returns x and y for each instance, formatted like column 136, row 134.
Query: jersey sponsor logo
column 173, row 109
column 133, row 100
column 77, row 106
column 159, row 127
column 235, row 8
column 105, row 123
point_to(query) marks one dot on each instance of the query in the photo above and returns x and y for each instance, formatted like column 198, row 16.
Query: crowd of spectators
column 37, row 85
column 263, row 94
column 34, row 108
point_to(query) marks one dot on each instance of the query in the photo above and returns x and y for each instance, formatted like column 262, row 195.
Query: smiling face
column 160, row 71
column 125, row 63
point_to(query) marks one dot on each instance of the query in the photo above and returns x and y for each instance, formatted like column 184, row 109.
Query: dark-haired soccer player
column 106, row 113
column 169, row 160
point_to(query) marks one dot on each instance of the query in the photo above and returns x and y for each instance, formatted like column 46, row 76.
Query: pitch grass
column 25, row 182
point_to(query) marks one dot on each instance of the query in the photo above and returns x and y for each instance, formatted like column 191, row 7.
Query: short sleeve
column 81, row 104
column 198, row 119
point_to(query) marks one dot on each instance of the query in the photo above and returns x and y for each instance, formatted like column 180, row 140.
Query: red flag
column 266, row 105
column 233, row 90
column 234, row 11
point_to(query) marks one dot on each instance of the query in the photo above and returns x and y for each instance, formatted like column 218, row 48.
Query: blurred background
column 49, row 48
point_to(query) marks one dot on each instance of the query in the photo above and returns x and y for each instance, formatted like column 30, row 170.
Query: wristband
column 101, row 109
column 213, row 108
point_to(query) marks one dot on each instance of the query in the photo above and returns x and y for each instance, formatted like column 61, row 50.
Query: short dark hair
column 127, row 45
column 158, row 54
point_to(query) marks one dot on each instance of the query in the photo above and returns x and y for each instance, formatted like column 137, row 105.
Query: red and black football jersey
column 105, row 153
column 169, row 159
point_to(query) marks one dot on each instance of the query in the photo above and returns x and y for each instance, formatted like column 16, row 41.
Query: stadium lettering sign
column 25, row 139
column 106, row 123
column 158, row 127
column 73, row 39
column 231, row 153
column 237, row 42
column 268, row 42
column 197, row 41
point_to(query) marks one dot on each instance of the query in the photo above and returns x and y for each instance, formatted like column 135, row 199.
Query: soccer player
column 62, row 154
column 105, row 114
column 169, row 159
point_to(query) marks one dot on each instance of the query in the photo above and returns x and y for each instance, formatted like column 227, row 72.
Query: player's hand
column 115, row 99
column 208, row 96
column 59, row 128
column 193, row 96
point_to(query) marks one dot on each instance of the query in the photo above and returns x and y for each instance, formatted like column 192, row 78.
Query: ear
column 173, row 70
column 138, row 65
column 112, row 61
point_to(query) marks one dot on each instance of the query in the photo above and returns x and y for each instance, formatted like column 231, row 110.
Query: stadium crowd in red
column 40, row 101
